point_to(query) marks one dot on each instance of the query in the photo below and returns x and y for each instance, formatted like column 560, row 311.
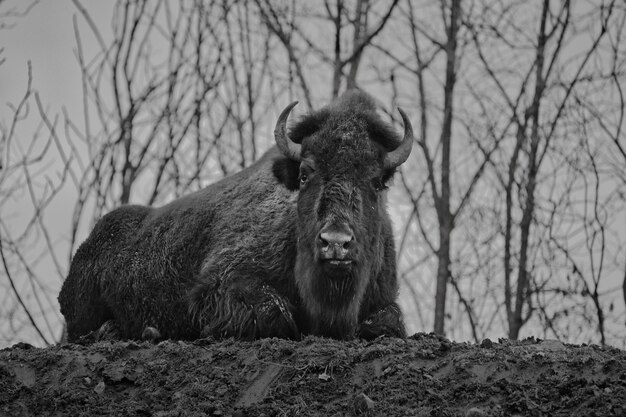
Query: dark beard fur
column 332, row 303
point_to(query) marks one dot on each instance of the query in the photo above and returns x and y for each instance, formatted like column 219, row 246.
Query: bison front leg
column 384, row 322
column 243, row 310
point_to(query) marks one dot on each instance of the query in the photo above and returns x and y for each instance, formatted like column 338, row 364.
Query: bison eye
column 379, row 184
column 306, row 170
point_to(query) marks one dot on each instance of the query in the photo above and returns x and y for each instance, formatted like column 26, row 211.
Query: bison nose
column 340, row 239
column 335, row 244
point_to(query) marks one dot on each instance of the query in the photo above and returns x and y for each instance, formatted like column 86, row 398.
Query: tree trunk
column 337, row 60
column 529, row 208
column 446, row 222
column 360, row 33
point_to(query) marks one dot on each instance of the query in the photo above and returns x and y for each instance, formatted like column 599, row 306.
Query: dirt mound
column 422, row 375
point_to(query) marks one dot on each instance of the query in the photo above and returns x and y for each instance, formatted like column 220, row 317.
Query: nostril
column 324, row 241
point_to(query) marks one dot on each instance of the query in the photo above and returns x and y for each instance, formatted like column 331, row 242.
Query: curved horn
column 289, row 148
column 396, row 157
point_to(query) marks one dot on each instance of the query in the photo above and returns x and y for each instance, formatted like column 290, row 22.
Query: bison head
column 340, row 159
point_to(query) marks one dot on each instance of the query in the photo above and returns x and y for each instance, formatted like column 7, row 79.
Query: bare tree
column 518, row 87
column 540, row 110
column 506, row 213
column 352, row 29
column 435, row 50
column 173, row 100
column 27, row 301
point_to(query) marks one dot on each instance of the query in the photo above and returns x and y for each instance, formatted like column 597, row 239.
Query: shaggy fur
column 241, row 258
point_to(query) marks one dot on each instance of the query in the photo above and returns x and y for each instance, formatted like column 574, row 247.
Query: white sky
column 45, row 36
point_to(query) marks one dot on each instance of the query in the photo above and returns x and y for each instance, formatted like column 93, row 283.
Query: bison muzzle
column 298, row 243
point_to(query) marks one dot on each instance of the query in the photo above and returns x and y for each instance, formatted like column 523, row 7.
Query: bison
column 298, row 243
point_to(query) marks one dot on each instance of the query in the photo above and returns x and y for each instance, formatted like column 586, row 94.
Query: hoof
column 150, row 334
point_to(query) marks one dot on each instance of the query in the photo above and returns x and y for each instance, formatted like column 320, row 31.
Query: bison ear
column 287, row 172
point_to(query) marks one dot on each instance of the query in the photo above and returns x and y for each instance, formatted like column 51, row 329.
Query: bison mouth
column 338, row 262
column 337, row 268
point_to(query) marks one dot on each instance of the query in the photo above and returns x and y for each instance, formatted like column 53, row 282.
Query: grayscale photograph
column 312, row 208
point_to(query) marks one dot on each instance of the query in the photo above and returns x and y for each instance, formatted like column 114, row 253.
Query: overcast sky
column 45, row 36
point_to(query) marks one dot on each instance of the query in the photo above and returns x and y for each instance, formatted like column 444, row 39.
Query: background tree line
column 509, row 215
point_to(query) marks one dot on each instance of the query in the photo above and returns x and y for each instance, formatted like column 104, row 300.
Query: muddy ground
column 423, row 375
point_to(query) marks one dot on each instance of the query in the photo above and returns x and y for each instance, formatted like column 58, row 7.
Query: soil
column 424, row 375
